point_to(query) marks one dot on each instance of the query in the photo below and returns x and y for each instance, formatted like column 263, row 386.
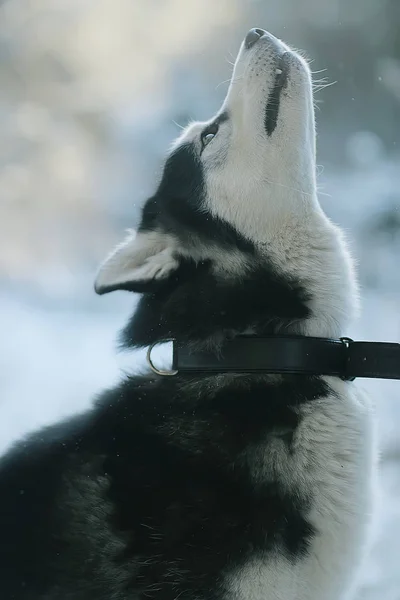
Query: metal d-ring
column 150, row 361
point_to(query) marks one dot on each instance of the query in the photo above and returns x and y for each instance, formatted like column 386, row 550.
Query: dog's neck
column 304, row 284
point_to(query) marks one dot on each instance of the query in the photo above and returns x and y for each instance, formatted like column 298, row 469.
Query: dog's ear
column 139, row 264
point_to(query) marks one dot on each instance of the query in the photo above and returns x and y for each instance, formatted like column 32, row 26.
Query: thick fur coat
column 239, row 487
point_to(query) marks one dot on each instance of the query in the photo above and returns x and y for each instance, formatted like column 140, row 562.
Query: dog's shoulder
column 55, row 503
column 157, row 463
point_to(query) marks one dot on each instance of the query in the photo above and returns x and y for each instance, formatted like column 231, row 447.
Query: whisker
column 177, row 124
column 222, row 83
column 229, row 62
column 288, row 187
column 318, row 88
column 323, row 193
column 292, row 189
column 226, row 81
column 320, row 71
column 232, row 81
column 322, row 80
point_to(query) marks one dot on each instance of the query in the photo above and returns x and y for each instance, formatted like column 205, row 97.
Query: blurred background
column 91, row 94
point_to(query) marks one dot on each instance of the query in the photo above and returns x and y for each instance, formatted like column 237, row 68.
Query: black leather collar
column 343, row 357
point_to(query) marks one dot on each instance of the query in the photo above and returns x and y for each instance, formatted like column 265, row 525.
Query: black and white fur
column 240, row 487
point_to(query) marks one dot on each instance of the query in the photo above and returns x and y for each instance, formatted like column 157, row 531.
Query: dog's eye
column 206, row 139
column 208, row 134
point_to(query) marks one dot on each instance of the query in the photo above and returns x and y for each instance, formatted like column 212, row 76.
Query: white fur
column 140, row 257
column 266, row 186
column 333, row 460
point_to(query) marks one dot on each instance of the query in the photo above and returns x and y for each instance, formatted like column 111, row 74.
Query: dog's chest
column 326, row 473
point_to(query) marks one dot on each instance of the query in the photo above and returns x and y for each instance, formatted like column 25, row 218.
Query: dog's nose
column 252, row 37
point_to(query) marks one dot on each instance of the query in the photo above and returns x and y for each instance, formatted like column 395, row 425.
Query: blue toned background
column 90, row 94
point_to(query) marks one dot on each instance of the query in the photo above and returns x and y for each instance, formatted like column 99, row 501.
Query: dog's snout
column 253, row 36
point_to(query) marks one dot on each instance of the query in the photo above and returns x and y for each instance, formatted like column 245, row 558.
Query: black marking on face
column 221, row 118
column 178, row 207
column 273, row 102
column 224, row 116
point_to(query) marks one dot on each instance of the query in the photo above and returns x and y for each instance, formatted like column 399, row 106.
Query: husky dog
column 211, row 486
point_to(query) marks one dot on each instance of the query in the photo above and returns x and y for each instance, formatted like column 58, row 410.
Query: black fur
column 274, row 100
column 194, row 305
column 154, row 493
column 149, row 494
column 178, row 205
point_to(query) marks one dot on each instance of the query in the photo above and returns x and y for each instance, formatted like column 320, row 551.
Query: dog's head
column 234, row 239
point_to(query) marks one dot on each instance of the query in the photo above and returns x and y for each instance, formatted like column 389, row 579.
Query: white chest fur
column 332, row 462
